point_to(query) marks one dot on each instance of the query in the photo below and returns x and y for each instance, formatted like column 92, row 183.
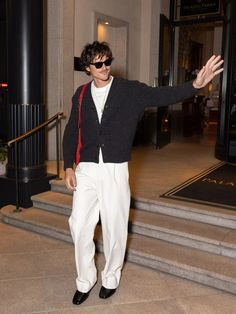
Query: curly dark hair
column 93, row 50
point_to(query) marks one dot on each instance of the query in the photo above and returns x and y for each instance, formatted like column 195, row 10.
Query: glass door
column 165, row 77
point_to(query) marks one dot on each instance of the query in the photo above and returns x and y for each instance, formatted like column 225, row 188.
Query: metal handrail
column 15, row 141
column 59, row 115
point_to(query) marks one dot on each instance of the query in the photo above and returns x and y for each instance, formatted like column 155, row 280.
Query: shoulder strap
column 79, row 145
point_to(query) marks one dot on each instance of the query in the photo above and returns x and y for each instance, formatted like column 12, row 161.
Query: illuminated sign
column 199, row 7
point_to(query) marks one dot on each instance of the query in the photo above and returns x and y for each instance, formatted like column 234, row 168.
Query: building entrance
column 194, row 44
column 197, row 34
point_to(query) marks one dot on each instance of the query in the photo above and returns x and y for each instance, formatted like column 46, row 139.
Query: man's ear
column 87, row 69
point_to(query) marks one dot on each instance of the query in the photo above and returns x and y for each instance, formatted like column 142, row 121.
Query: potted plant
column 3, row 157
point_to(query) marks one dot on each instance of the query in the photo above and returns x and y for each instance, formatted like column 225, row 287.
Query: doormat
column 215, row 186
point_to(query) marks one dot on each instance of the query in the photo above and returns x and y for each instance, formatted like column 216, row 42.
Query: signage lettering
column 219, row 182
column 197, row 7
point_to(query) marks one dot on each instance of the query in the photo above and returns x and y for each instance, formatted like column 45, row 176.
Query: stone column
column 26, row 108
column 25, row 82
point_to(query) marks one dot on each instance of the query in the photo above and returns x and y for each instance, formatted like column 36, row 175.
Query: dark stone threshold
column 26, row 190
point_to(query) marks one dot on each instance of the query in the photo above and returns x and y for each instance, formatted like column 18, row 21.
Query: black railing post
column 17, row 178
column 57, row 148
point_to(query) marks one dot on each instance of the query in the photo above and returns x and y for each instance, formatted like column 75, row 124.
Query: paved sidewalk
column 37, row 275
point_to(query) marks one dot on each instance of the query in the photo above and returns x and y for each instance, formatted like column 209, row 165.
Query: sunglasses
column 99, row 64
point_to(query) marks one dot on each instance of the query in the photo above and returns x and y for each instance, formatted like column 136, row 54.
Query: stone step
column 206, row 268
column 217, row 216
column 33, row 219
column 59, row 186
column 214, row 239
column 54, row 202
column 190, row 211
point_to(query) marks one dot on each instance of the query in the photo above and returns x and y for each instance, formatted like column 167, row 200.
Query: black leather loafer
column 106, row 293
column 80, row 297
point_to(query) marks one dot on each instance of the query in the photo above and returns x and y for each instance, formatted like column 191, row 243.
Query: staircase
column 196, row 244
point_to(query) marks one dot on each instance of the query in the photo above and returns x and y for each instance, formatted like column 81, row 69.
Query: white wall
column 117, row 37
column 149, row 45
column 154, row 39
column 165, row 7
column 145, row 44
column 60, row 54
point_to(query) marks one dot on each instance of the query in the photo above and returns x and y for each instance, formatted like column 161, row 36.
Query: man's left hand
column 208, row 71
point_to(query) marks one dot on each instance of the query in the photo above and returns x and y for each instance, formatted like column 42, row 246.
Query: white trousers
column 101, row 189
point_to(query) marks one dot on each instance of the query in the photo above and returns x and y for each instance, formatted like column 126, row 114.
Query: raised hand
column 208, row 71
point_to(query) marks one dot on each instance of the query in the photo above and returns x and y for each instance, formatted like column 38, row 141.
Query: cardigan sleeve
column 164, row 95
column 70, row 137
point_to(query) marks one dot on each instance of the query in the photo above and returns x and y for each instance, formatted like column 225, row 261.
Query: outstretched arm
column 208, row 71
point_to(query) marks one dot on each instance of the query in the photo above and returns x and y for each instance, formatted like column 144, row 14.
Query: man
column 106, row 122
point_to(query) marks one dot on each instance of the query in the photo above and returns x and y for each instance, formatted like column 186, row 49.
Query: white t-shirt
column 99, row 95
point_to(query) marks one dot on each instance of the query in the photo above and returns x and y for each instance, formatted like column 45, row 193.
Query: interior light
column 107, row 23
column 209, row 87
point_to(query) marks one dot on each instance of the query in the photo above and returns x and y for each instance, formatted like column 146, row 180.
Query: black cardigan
column 125, row 103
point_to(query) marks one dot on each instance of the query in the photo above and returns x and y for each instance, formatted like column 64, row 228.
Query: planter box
column 3, row 168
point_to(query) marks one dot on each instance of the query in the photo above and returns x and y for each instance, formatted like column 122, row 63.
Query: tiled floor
column 37, row 274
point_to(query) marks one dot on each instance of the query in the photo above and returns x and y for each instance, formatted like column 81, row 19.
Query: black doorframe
column 225, row 148
column 164, row 21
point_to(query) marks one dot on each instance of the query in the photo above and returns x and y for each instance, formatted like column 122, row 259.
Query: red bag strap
column 79, row 145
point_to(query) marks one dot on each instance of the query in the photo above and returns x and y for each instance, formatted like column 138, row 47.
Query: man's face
column 102, row 73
